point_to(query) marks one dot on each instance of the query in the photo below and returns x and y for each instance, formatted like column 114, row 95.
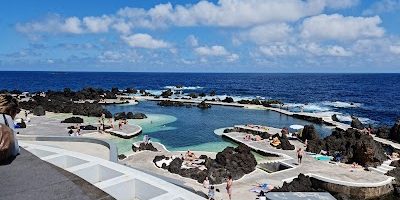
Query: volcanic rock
column 75, row 120
column 143, row 147
column 120, row 115
column 300, row 184
column 203, row 105
column 139, row 116
column 395, row 131
column 335, row 118
column 285, row 144
column 121, row 156
column 355, row 123
column 228, row 100
column 175, row 166
column 39, row 111
column 170, row 103
column 382, row 132
column 167, row 93
column 309, row 133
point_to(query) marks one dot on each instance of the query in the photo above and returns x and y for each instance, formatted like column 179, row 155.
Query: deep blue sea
column 373, row 97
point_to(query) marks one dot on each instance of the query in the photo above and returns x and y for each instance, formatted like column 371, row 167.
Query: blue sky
column 200, row 36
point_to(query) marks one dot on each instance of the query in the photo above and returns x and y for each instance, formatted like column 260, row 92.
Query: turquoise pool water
column 181, row 128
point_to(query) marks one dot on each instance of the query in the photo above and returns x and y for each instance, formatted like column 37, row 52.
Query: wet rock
column 75, row 120
column 39, row 111
column 120, row 116
column 144, row 147
column 203, row 105
column 335, row 118
column 355, row 123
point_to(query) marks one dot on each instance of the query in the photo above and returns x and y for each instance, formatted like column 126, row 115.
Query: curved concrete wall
column 111, row 146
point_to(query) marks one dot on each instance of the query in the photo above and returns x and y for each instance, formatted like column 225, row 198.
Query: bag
column 6, row 140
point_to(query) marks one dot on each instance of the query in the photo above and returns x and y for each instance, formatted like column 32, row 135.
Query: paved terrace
column 323, row 117
column 322, row 170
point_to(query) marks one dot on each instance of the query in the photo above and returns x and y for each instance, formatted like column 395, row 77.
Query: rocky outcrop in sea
column 76, row 120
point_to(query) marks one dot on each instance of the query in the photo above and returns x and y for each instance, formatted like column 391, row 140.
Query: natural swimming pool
column 181, row 128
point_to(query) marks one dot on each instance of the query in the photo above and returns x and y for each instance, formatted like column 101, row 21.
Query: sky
column 256, row 36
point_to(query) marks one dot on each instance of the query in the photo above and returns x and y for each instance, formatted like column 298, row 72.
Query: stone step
column 383, row 169
column 388, row 166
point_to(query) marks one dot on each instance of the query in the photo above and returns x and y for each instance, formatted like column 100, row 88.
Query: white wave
column 341, row 104
column 311, row 107
column 154, row 92
column 347, row 118
column 183, row 88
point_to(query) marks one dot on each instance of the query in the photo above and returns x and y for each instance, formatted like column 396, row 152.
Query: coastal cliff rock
column 395, row 131
column 143, row 147
column 203, row 105
column 76, row 120
column 39, row 111
column 355, row 123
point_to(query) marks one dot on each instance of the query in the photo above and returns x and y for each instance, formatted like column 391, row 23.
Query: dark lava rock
column 395, row 131
column 353, row 145
column 158, row 158
column 167, row 93
column 355, row 123
column 213, row 93
column 129, row 115
column 120, row 115
column 396, row 174
column 204, row 105
column 131, row 91
column 309, row 133
column 121, row 156
column 300, row 184
column 143, row 147
column 193, row 95
column 285, row 144
column 231, row 161
column 88, row 127
column 76, row 120
column 382, row 132
column 39, row 111
column 170, row 103
column 228, row 130
column 175, row 166
column 334, row 118
column 139, row 116
column 228, row 100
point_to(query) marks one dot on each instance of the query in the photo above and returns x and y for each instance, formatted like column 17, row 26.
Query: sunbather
column 247, row 137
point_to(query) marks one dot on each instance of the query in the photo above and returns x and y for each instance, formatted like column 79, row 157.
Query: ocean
column 374, row 98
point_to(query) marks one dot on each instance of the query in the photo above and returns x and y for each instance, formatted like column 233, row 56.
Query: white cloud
column 217, row 51
column 192, row 41
column 278, row 50
column 339, row 27
column 382, row 6
column 122, row 27
column 317, row 50
column 119, row 57
column 97, row 24
column 144, row 41
column 268, row 33
column 211, row 51
column 395, row 49
column 52, row 24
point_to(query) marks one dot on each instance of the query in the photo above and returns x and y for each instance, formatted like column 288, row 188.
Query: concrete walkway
column 339, row 174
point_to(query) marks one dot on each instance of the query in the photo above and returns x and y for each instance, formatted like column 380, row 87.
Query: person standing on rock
column 229, row 183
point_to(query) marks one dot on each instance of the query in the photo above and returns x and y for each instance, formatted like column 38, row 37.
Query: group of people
column 212, row 189
column 71, row 132
column 102, row 125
